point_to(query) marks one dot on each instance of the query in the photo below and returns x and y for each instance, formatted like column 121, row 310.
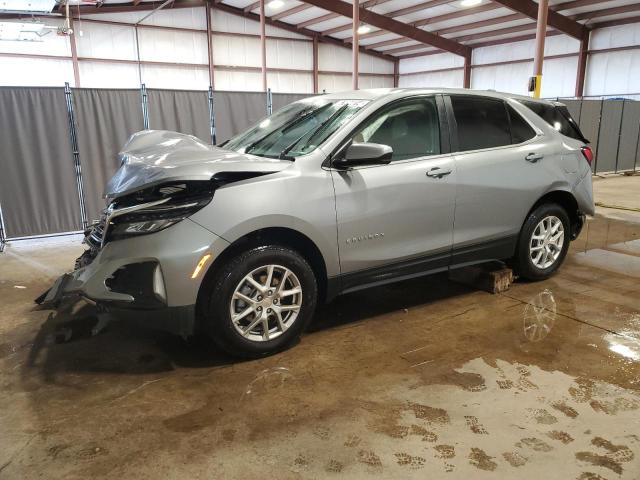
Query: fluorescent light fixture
column 27, row 6
column 470, row 3
column 22, row 31
column 362, row 29
column 275, row 4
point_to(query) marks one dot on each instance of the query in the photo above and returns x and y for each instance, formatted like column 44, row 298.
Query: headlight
column 157, row 208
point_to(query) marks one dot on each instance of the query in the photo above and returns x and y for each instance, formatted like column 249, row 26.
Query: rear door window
column 558, row 117
column 482, row 122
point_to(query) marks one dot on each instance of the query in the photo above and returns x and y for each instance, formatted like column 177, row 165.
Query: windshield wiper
column 319, row 129
column 297, row 119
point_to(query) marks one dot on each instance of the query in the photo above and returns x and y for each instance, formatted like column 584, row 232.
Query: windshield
column 297, row 129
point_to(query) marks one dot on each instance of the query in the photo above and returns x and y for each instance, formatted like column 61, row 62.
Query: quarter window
column 521, row 131
column 410, row 128
column 482, row 122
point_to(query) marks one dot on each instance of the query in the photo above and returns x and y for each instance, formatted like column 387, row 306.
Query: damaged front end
column 134, row 260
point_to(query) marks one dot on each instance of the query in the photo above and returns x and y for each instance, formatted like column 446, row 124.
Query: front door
column 396, row 220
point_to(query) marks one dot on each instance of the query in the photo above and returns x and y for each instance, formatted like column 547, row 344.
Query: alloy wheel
column 266, row 303
column 546, row 242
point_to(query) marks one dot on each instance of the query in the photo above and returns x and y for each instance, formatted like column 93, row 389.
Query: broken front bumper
column 146, row 272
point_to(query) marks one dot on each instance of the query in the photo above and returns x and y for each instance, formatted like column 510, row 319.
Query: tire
column 529, row 262
column 221, row 297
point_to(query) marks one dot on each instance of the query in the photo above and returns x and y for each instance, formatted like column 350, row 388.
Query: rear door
column 500, row 175
column 396, row 220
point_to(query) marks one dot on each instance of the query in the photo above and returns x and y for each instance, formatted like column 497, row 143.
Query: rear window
column 558, row 117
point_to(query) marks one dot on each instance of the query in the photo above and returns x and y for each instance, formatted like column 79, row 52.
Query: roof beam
column 522, row 28
column 615, row 23
column 394, row 26
column 555, row 20
column 292, row 28
column 439, row 18
column 605, row 12
column 127, row 7
column 332, row 15
column 473, row 11
column 292, row 11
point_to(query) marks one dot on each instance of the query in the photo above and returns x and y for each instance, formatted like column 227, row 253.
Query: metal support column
column 467, row 71
column 269, row 102
column 3, row 235
column 541, row 32
column 145, row 106
column 356, row 42
column 396, row 72
column 73, row 135
column 212, row 117
column 138, row 54
column 74, row 53
column 263, row 47
column 582, row 64
column 209, row 43
column 315, row 64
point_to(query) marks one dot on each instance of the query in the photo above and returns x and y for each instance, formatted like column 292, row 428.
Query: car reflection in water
column 539, row 316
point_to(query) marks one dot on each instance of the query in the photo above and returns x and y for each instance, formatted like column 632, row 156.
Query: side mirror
column 359, row 154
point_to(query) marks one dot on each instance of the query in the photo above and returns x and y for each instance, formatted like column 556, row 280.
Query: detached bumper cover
column 150, row 271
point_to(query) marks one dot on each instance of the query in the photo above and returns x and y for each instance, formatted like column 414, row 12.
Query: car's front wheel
column 543, row 242
column 259, row 302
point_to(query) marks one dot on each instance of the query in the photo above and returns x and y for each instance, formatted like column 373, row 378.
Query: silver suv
column 329, row 195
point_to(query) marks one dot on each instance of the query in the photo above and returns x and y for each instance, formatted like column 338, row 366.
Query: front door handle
column 533, row 157
column 437, row 172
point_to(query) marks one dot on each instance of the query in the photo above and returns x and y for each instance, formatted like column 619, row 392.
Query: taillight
column 588, row 154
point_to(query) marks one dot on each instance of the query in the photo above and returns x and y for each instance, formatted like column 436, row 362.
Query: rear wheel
column 543, row 242
column 260, row 301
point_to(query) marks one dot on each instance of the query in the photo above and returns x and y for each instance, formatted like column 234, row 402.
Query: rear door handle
column 437, row 172
column 533, row 157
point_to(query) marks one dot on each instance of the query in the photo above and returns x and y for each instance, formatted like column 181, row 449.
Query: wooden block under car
column 491, row 277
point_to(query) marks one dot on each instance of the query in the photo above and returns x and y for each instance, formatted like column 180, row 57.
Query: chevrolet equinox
column 331, row 194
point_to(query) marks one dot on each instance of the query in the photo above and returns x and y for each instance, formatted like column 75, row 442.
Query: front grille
column 93, row 238
column 95, row 233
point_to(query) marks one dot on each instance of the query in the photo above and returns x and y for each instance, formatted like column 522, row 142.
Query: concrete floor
column 423, row 379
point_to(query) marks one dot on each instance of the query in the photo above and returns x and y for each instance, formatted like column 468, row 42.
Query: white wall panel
column 285, row 82
column 558, row 77
column 430, row 62
column 243, row 81
column 556, row 45
column 108, row 75
column 29, row 72
column 449, row 79
column 106, row 41
column 334, row 83
column 613, row 73
column 510, row 78
column 180, row 78
column 371, row 64
column 289, row 54
column 172, row 46
column 369, row 81
column 338, row 59
column 615, row 37
column 236, row 51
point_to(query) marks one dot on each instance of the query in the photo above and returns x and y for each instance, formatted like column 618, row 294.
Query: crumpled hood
column 155, row 156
